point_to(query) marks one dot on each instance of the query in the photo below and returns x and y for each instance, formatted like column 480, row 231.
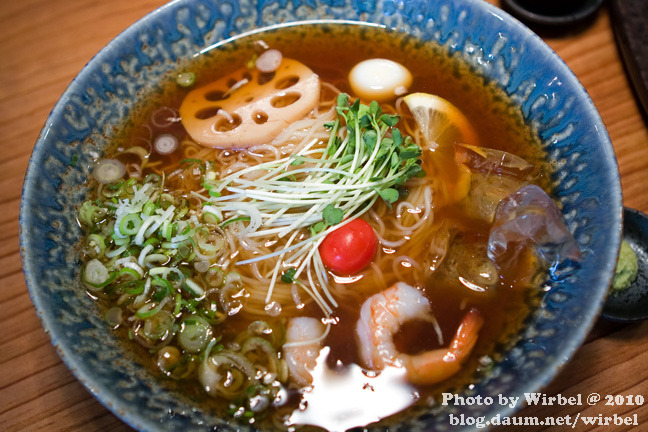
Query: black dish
column 632, row 304
column 551, row 12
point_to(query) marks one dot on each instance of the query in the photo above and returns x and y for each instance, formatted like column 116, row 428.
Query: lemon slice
column 441, row 126
column 441, row 123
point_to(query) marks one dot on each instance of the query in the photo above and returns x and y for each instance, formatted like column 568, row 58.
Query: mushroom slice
column 249, row 107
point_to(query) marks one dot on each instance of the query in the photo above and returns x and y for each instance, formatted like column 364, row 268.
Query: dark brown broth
column 331, row 51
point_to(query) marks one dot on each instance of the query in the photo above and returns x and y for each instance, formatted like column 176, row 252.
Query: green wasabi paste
column 627, row 268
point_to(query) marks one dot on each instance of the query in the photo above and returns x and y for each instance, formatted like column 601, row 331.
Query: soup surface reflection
column 290, row 254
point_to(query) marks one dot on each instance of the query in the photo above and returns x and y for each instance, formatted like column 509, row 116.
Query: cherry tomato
column 350, row 248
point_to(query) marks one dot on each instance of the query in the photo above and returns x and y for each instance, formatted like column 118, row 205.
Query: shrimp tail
column 437, row 365
column 467, row 334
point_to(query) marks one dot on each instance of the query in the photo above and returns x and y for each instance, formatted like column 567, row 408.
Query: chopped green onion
column 114, row 316
column 97, row 244
column 212, row 214
column 134, row 288
column 159, row 325
column 129, row 273
column 90, row 213
column 149, row 208
column 116, row 252
column 96, row 275
column 108, row 170
column 130, row 224
column 165, row 285
column 236, row 219
column 194, row 334
column 178, row 304
column 186, row 79
column 193, row 288
column 148, row 310
column 151, row 241
column 166, row 144
column 121, row 241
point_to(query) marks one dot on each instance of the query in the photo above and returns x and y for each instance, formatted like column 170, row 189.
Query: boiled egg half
column 379, row 79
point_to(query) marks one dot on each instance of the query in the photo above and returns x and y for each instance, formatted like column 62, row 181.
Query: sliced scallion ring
column 259, row 344
column 134, row 288
column 108, row 170
column 148, row 310
column 195, row 332
column 193, row 288
column 149, row 208
column 161, row 282
column 166, row 144
column 158, row 326
column 114, row 316
column 186, row 79
column 129, row 273
column 97, row 244
column 96, row 275
column 130, row 224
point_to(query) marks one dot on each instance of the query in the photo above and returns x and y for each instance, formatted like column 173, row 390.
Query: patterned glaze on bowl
column 496, row 46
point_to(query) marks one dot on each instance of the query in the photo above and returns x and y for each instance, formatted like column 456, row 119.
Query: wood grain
column 44, row 44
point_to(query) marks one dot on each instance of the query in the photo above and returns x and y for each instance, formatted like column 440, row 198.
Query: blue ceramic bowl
column 496, row 46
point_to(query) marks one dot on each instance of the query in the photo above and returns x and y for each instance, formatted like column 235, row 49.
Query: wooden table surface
column 44, row 44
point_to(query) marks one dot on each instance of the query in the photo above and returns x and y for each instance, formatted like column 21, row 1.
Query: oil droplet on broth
column 339, row 400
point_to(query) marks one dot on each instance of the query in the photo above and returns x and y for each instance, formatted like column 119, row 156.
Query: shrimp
column 381, row 316
column 304, row 337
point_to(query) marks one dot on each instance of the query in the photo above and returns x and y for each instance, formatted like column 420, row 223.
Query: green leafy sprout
column 366, row 159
